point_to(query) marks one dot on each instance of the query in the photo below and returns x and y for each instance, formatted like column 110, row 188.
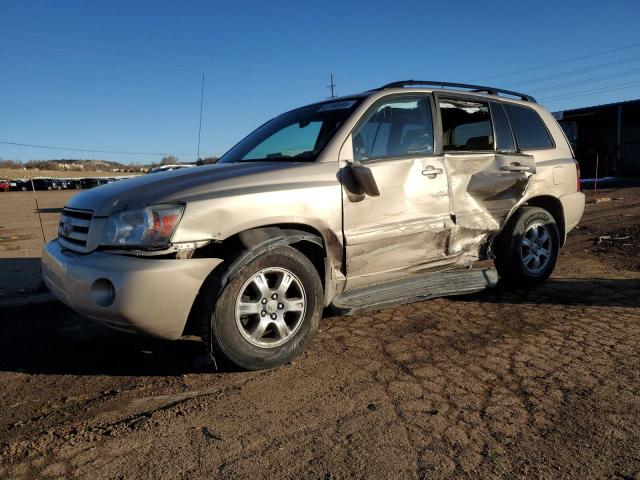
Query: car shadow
column 19, row 276
column 49, row 338
column 605, row 292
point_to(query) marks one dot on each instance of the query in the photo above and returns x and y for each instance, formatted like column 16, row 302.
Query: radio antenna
column 200, row 125
column 35, row 198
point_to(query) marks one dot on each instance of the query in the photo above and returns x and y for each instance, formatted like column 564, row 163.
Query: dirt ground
column 540, row 383
column 21, row 238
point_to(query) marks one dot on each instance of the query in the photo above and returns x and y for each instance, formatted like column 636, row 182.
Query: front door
column 405, row 230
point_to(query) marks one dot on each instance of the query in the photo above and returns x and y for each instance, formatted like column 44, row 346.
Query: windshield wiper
column 280, row 158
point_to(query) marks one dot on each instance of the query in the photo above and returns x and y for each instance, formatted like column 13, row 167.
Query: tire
column 527, row 249
column 238, row 337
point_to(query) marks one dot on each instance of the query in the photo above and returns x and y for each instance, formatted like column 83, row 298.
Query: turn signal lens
column 165, row 221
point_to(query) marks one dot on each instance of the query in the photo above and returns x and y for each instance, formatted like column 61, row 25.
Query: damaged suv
column 358, row 202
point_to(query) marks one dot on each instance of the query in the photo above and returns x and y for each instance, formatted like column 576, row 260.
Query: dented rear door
column 486, row 186
column 487, row 176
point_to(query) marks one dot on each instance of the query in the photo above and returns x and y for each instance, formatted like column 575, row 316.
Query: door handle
column 516, row 168
column 431, row 172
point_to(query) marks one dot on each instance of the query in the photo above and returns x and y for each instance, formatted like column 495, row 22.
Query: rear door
column 487, row 176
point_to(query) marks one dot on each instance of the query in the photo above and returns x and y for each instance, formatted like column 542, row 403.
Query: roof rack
column 473, row 88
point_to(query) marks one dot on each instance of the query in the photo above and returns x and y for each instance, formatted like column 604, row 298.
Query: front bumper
column 150, row 295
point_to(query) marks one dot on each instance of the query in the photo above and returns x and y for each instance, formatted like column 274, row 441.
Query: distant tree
column 208, row 160
column 41, row 165
column 10, row 164
column 169, row 160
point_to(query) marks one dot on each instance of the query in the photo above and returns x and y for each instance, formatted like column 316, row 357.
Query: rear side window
column 504, row 137
column 530, row 132
column 466, row 125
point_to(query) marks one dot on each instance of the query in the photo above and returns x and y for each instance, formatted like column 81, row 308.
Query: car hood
column 187, row 185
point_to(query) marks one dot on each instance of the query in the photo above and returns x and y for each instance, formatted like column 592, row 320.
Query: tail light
column 577, row 174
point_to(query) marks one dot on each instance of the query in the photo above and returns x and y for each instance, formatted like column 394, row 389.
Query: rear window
column 466, row 125
column 530, row 132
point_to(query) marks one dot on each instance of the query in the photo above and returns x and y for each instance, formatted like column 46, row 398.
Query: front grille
column 73, row 229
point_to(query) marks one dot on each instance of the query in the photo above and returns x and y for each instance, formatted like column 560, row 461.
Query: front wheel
column 527, row 249
column 269, row 311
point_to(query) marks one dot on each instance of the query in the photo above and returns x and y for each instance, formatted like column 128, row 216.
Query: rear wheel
column 269, row 311
column 527, row 249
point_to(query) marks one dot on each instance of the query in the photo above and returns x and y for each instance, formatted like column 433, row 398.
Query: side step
column 415, row 289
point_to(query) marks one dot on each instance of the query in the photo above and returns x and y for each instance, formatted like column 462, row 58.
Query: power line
column 135, row 51
column 568, row 60
column 88, row 150
column 586, row 81
column 576, row 71
column 620, row 86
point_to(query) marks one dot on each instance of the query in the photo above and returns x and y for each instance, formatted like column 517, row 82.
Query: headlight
column 145, row 227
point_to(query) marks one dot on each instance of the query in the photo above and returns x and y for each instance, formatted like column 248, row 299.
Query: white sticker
column 337, row 105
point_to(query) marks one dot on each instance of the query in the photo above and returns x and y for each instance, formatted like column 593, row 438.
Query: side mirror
column 359, row 178
column 364, row 178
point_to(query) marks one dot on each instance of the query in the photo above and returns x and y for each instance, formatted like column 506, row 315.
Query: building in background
column 606, row 135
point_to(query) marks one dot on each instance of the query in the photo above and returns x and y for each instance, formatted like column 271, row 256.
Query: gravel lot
column 506, row 383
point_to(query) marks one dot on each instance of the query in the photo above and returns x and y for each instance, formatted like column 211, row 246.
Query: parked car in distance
column 90, row 182
column 45, row 184
column 19, row 185
column 73, row 183
column 352, row 203
column 165, row 168
column 4, row 186
column 29, row 184
column 63, row 182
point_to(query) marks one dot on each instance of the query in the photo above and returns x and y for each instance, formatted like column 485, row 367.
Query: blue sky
column 125, row 75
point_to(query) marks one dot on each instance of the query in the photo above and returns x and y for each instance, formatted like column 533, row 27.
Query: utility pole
column 200, row 125
column 332, row 86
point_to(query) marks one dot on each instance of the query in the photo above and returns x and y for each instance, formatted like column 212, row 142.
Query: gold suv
column 358, row 202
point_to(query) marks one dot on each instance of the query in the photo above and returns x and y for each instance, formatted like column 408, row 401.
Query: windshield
column 298, row 135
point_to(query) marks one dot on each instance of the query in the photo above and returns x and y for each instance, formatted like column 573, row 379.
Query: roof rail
column 473, row 88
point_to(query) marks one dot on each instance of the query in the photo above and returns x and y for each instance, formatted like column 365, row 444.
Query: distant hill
column 74, row 165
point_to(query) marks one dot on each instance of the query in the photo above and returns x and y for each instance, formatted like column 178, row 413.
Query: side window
column 530, row 132
column 395, row 128
column 504, row 137
column 466, row 125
